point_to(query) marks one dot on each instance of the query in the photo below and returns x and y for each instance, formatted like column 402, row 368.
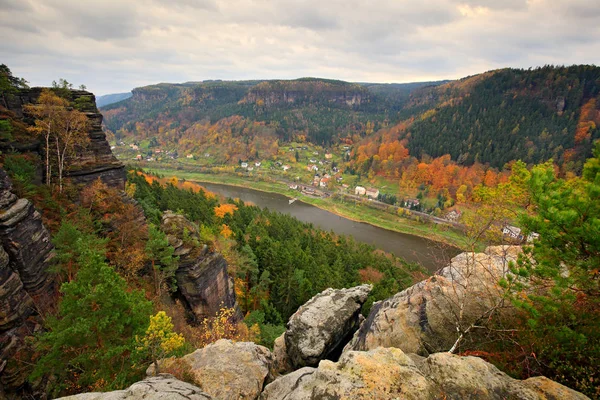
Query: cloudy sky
column 115, row 45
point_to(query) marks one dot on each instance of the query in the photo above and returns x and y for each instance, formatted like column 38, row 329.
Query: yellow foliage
column 160, row 340
column 223, row 326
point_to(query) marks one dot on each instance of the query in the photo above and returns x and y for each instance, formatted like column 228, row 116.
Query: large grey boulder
column 389, row 373
column 322, row 326
column 424, row 318
column 227, row 370
column 161, row 387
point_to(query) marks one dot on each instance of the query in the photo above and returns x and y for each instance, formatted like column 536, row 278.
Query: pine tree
column 90, row 342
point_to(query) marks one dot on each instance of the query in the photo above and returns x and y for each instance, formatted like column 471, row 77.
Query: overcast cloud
column 115, row 45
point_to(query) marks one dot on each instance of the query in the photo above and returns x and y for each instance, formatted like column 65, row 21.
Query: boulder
column 389, row 373
column 321, row 327
column 161, row 387
column 201, row 275
column 227, row 370
column 423, row 319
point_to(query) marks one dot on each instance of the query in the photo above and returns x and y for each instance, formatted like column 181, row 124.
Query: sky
column 113, row 46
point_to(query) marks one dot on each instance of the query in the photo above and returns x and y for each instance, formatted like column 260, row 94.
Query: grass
column 350, row 210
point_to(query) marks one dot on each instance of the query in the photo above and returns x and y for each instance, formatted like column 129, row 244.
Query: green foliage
column 5, row 130
column 8, row 83
column 21, row 170
column 268, row 332
column 164, row 264
column 90, row 342
column 563, row 305
column 71, row 243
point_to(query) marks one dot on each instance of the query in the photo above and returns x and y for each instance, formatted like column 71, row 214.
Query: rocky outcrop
column 228, row 370
column 389, row 373
column 423, row 319
column 321, row 327
column 93, row 162
column 161, row 387
column 25, row 255
column 202, row 276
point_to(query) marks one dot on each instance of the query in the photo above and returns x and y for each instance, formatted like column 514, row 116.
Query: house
column 328, row 156
column 244, row 165
column 316, row 153
column 158, row 151
column 312, row 167
column 189, row 156
column 345, row 186
column 360, row 191
column 312, row 160
column 512, row 232
column 134, row 147
column 412, row 203
column 257, row 164
column 372, row 193
column 206, row 155
column 286, row 167
column 250, row 168
column 112, row 147
column 532, row 236
column 453, row 216
column 324, row 182
column 138, row 157
column 293, row 186
column 316, row 180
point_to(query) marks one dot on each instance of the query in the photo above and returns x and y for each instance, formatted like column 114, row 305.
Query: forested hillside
column 492, row 118
column 528, row 115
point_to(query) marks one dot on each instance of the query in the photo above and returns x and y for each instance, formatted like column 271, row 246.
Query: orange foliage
column 370, row 275
column 226, row 231
column 224, row 209
column 186, row 185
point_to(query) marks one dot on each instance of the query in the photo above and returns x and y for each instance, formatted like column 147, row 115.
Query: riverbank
column 347, row 209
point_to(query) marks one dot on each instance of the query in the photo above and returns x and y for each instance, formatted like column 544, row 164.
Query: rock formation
column 96, row 161
column 24, row 280
column 423, row 319
column 228, row 370
column 321, row 327
column 161, row 387
column 389, row 373
column 202, row 275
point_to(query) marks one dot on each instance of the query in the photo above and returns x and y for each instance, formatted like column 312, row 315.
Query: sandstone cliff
column 96, row 161
column 25, row 283
column 202, row 276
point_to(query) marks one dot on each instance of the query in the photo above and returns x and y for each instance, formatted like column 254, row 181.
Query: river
column 430, row 254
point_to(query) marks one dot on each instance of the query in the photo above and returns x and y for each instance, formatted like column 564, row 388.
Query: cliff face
column 202, row 276
column 95, row 161
column 25, row 283
column 301, row 91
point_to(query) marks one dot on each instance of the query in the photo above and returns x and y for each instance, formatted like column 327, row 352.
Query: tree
column 71, row 134
column 90, row 342
column 160, row 341
column 46, row 113
column 562, row 296
column 10, row 84
column 164, row 264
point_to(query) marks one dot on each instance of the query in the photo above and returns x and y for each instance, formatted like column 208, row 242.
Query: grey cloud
column 115, row 45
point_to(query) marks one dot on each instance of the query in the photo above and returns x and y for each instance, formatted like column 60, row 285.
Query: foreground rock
column 162, row 387
column 226, row 370
column 322, row 326
column 389, row 373
column 423, row 318
column 202, row 274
